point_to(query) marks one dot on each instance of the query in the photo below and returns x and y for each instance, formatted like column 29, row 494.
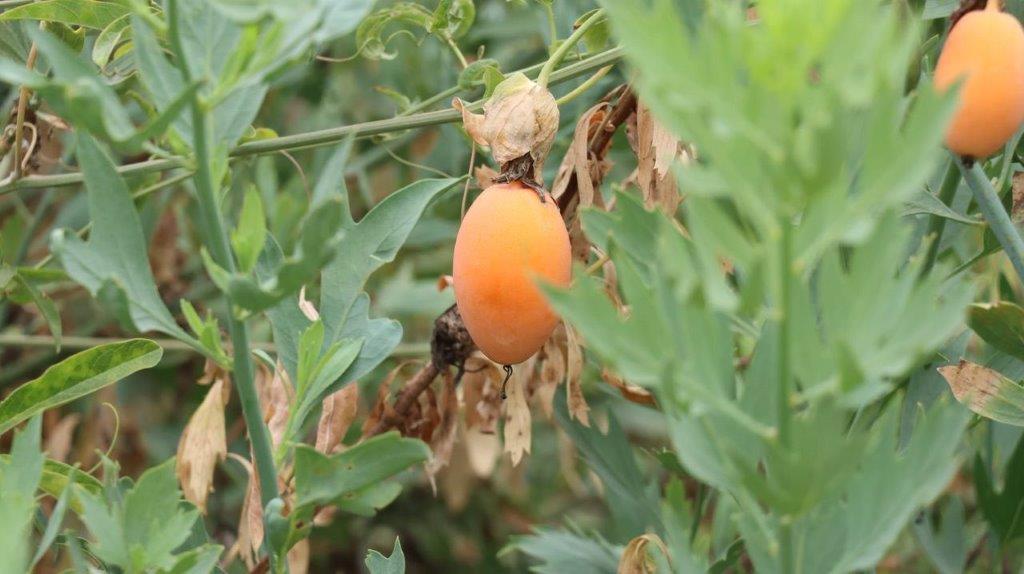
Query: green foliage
column 142, row 526
column 1003, row 509
column 321, row 479
column 114, row 259
column 87, row 13
column 999, row 324
column 16, row 285
column 946, row 542
column 568, row 552
column 77, row 376
column 377, row 563
column 19, row 477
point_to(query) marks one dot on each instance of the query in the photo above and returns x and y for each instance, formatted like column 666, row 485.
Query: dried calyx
column 518, row 125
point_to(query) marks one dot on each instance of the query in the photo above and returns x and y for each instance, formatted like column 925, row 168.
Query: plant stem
column 402, row 122
column 458, row 53
column 19, row 122
column 549, row 9
column 785, row 376
column 936, row 225
column 995, row 214
column 586, row 85
column 569, row 44
column 213, row 222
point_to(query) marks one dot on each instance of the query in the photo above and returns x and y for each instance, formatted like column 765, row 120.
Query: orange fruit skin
column 986, row 48
column 509, row 240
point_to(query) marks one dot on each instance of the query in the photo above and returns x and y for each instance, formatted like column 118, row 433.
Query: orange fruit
column 986, row 49
column 508, row 241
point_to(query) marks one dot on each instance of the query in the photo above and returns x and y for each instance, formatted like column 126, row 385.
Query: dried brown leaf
column 338, row 412
column 203, row 444
column 629, row 391
column 250, row 522
column 382, row 407
column 986, row 392
column 1018, row 197
column 298, row 557
column 578, row 161
column 445, row 282
column 517, row 413
column 58, row 441
column 443, row 438
column 635, row 558
column 485, row 176
column 307, row 308
column 481, row 393
column 275, row 392
column 483, row 450
column 552, row 370
column 578, row 408
column 520, row 118
column 656, row 150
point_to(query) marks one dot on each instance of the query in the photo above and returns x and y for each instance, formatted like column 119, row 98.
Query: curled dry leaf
column 298, row 557
column 382, row 407
column 552, row 370
column 444, row 282
column 588, row 171
column 275, row 393
column 212, row 372
column 517, row 412
column 520, row 118
column 250, row 523
column 656, row 151
column 578, row 408
column 336, row 416
column 629, row 391
column 307, row 308
column 443, row 439
column 1018, row 197
column 485, row 176
column 986, row 392
column 483, row 450
column 481, row 393
column 202, row 445
column 58, row 441
column 635, row 558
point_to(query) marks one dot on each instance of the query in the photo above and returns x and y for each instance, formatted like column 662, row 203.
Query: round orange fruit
column 986, row 50
column 509, row 240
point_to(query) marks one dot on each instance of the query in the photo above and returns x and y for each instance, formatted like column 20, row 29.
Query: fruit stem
column 508, row 375
column 564, row 47
column 992, row 5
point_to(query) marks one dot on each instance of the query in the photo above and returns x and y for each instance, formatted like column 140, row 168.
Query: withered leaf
column 520, row 118
column 629, row 391
column 250, row 522
column 307, row 308
column 578, row 408
column 1017, row 186
column 552, row 370
column 58, row 441
column 442, row 442
column 986, row 392
column 482, row 450
column 203, row 445
column 275, row 392
column 484, row 176
column 656, row 150
column 635, row 558
column 517, row 413
column 481, row 393
column 577, row 160
column 298, row 557
column 338, row 412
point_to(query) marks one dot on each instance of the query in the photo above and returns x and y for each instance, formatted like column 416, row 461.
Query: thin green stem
column 785, row 378
column 406, row 121
column 565, row 47
column 549, row 9
column 586, row 85
column 458, row 53
column 994, row 213
column 937, row 224
column 219, row 246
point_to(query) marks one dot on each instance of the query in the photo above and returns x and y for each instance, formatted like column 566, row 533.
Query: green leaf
column 110, row 38
column 116, row 251
column 927, row 203
column 53, row 526
column 88, row 13
column 80, row 95
column 317, row 245
column 322, row 479
column 945, row 544
column 999, row 324
column 208, row 332
column 19, row 478
column 370, row 35
column 377, row 563
column 1003, row 510
column 77, row 376
column 567, row 552
column 142, row 530
column 196, row 561
column 251, row 234
column 633, row 501
column 44, row 304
